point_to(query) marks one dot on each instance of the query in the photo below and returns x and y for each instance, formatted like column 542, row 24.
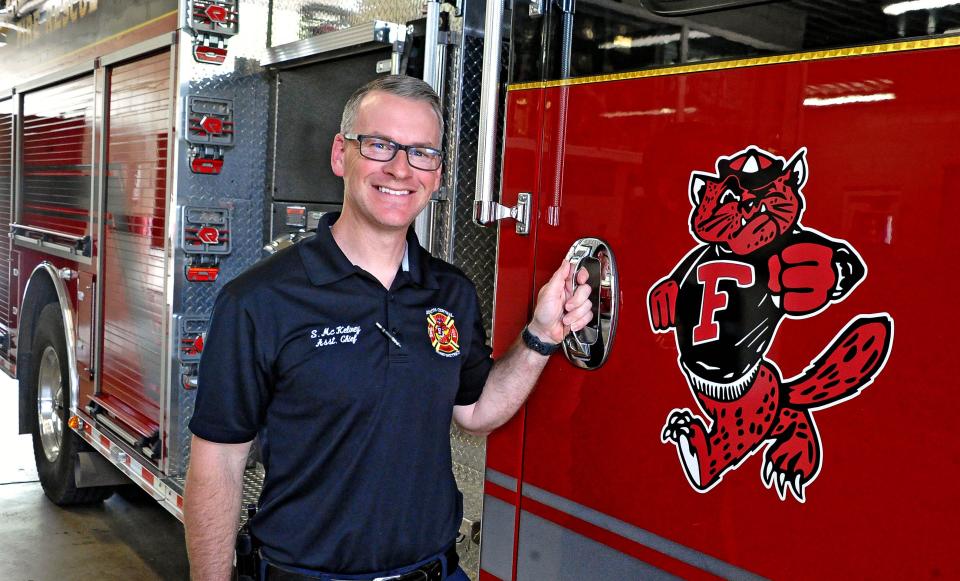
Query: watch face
column 683, row 7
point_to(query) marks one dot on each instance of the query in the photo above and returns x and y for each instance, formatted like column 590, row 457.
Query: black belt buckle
column 432, row 571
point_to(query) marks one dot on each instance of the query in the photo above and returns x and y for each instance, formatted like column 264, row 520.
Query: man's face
column 387, row 195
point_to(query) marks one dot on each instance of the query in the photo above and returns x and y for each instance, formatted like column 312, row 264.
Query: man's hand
column 559, row 308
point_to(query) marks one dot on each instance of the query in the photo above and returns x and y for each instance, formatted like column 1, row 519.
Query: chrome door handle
column 589, row 347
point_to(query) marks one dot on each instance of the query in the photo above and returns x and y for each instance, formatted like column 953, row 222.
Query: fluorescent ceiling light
column 847, row 99
column 661, row 111
column 621, row 41
column 898, row 8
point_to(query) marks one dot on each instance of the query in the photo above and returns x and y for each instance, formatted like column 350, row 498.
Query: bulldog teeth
column 729, row 196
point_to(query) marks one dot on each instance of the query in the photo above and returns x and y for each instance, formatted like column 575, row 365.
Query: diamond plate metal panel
column 293, row 20
column 472, row 249
column 239, row 188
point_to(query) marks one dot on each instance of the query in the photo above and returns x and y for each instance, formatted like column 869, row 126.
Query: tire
column 55, row 445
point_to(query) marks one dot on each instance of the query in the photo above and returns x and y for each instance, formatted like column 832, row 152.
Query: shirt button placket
column 388, row 306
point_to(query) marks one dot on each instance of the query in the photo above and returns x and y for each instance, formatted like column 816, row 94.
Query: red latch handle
column 206, row 166
column 202, row 274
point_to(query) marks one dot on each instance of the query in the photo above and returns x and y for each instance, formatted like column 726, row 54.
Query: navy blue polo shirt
column 354, row 426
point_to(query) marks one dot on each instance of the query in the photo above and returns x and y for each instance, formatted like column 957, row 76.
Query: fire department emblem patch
column 443, row 332
column 754, row 265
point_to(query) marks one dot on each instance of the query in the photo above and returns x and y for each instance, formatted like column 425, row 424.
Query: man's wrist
column 535, row 342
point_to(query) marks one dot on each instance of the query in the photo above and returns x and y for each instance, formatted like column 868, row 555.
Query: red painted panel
column 515, row 263
column 880, row 154
column 515, row 254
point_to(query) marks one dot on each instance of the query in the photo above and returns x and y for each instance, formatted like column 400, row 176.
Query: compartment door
column 858, row 150
column 133, row 245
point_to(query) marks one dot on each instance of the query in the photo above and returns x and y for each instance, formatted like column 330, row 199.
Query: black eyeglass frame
column 397, row 148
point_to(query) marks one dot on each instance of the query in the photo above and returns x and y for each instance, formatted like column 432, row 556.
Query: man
column 347, row 354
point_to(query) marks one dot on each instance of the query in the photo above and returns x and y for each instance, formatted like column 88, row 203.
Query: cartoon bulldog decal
column 756, row 264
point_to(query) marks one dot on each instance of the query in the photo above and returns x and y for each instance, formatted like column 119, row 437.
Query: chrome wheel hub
column 50, row 403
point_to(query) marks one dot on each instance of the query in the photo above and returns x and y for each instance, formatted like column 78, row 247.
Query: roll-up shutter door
column 133, row 306
column 57, row 157
column 6, row 187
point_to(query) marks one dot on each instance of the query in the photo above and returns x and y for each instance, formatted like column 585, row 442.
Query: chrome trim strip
column 98, row 154
column 46, row 231
column 139, row 49
column 638, row 535
column 97, row 231
column 50, row 248
column 499, row 530
column 489, row 98
column 115, row 429
column 17, row 159
column 53, row 78
column 431, row 42
column 501, row 479
column 66, row 311
column 433, row 76
column 169, row 270
column 333, row 44
column 547, row 550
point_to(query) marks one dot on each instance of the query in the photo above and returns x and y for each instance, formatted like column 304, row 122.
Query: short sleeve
column 233, row 385
column 476, row 367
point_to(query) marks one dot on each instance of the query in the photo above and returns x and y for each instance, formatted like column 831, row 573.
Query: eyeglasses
column 382, row 149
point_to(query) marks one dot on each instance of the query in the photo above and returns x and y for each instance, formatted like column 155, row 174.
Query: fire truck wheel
column 55, row 445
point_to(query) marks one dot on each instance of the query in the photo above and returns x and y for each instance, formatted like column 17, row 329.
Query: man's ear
column 337, row 153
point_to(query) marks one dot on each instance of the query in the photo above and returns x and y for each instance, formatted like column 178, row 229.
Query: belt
column 430, row 571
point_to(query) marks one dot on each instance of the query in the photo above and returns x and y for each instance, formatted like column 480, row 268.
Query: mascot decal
column 756, row 264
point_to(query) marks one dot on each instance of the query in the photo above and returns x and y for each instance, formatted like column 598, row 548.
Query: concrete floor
column 127, row 537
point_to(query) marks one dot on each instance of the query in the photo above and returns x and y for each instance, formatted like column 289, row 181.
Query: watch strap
column 534, row 343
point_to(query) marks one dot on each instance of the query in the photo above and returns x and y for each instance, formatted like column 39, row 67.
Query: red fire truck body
column 755, row 188
column 583, row 471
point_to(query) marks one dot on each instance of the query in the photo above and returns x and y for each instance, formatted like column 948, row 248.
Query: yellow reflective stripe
column 919, row 44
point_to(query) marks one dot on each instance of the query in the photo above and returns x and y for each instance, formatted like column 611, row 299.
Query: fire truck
column 754, row 188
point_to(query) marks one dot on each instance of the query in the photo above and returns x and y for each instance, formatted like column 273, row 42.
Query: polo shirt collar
column 326, row 263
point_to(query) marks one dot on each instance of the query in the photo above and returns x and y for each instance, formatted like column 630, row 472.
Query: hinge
column 486, row 213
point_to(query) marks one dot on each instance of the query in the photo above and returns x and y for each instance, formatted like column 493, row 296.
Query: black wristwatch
column 534, row 343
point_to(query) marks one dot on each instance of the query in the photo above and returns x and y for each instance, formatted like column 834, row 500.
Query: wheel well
column 40, row 293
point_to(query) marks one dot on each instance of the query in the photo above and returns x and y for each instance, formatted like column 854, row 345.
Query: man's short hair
column 397, row 85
